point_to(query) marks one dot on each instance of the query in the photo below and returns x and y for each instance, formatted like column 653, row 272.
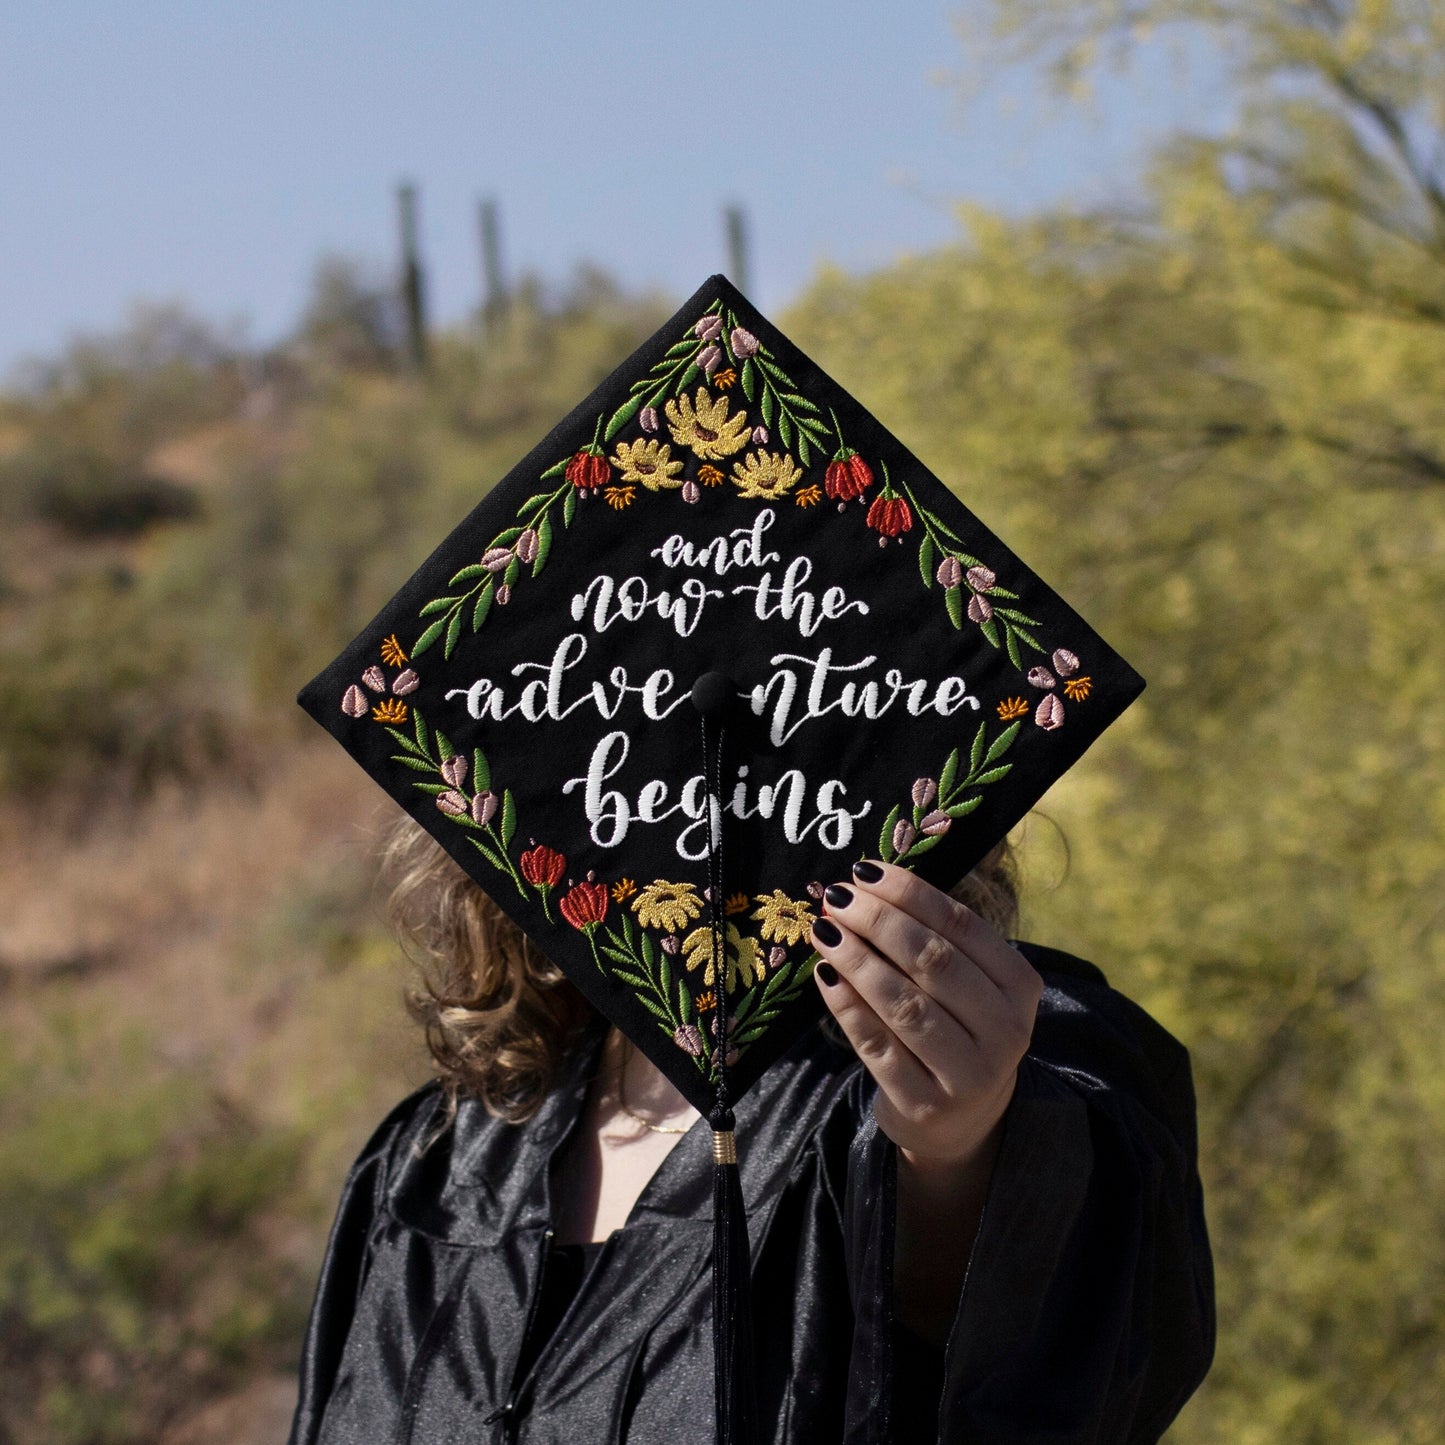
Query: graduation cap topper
column 902, row 686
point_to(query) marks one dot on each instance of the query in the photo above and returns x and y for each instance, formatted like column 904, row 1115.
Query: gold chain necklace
column 646, row 1123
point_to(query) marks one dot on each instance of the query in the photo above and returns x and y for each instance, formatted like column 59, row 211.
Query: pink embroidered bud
column 691, row 491
column 353, row 702
column 925, row 790
column 981, row 579
column 760, row 436
column 709, row 328
column 709, row 358
column 1041, row 677
column 732, row 1049
column 815, row 889
column 670, row 944
column 452, row 804
column 1050, row 712
column 374, row 678
column 904, row 834
column 495, row 559
column 527, row 545
column 454, row 770
column 689, row 1040
column 648, row 419
column 744, row 343
column 935, row 823
column 777, row 956
column 405, row 682
column 484, row 808
column 1065, row 663
column 950, row 572
column 980, row 609
column 504, row 594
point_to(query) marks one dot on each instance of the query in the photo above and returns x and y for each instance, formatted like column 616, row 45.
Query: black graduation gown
column 1086, row 1315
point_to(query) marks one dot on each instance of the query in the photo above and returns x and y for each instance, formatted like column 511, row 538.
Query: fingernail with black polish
column 827, row 933
column 866, row 872
column 827, row 973
column 838, row 895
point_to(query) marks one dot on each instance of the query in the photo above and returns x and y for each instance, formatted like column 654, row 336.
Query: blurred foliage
column 1213, row 420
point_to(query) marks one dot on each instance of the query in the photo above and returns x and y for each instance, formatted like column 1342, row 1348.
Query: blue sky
column 211, row 153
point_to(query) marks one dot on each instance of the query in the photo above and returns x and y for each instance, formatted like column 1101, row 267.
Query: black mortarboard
column 718, row 579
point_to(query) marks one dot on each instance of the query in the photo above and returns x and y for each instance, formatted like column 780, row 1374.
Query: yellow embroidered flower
column 392, row 710
column 671, row 906
column 784, row 919
column 623, row 889
column 706, row 1000
column 1076, row 689
column 766, row 474
column 704, row 426
column 618, row 497
column 744, row 961
column 648, row 462
column 809, row 496
column 724, row 379
column 1013, row 708
column 391, row 653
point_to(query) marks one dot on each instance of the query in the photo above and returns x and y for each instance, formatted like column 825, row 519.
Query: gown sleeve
column 343, row 1267
column 1087, row 1309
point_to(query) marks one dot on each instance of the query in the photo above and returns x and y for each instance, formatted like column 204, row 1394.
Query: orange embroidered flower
column 1076, row 689
column 1013, row 708
column 392, row 710
column 391, row 653
column 809, row 496
column 709, row 476
column 706, row 1000
column 619, row 497
column 623, row 889
column 736, row 903
column 724, row 378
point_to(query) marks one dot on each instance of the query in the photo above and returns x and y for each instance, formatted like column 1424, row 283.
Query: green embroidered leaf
column 685, row 1008
column 557, row 469
column 481, row 771
column 1012, row 644
column 407, row 761
column 484, row 606
column 750, row 380
column 804, row 455
column 963, row 809
column 785, row 427
column 509, row 817
column 617, row 955
column 885, row 835
column 454, row 631
column 990, row 631
column 1004, row 592
column 544, row 544
column 490, row 854
column 925, row 560
column 653, row 1008
column 468, row 574
column 434, row 789
column 953, row 600
column 767, row 406
column 622, row 416
column 509, row 578
column 423, row 736
column 533, row 502
column 681, row 348
column 1029, row 639
column 1014, row 616
column 444, row 746
column 405, row 741
column 950, row 771
column 428, row 637
column 975, row 756
column 688, row 377
column 506, row 538
column 922, row 845
column 629, row 931
column 438, row 604
column 569, row 506
column 1002, row 743
column 993, row 775
column 798, row 403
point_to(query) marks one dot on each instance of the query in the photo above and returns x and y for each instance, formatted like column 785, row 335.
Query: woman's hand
column 940, row 1009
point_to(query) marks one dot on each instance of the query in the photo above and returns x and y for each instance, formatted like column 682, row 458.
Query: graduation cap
column 716, row 637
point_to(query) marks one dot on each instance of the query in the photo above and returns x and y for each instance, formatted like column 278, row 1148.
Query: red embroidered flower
column 848, row 476
column 542, row 866
column 588, row 470
column 584, row 905
column 890, row 516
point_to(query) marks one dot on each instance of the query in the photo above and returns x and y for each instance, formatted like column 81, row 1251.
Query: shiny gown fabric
column 1087, row 1314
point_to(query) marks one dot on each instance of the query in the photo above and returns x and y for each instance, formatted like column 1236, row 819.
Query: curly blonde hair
column 500, row 1016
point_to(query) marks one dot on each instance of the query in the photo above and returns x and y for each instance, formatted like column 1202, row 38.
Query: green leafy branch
column 646, row 969
column 950, row 801
column 798, row 419
column 677, row 370
column 759, row 1006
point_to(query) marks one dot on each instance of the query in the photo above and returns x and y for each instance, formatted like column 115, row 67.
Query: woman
column 972, row 1198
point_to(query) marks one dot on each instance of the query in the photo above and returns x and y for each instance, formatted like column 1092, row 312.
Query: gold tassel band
column 724, row 1147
